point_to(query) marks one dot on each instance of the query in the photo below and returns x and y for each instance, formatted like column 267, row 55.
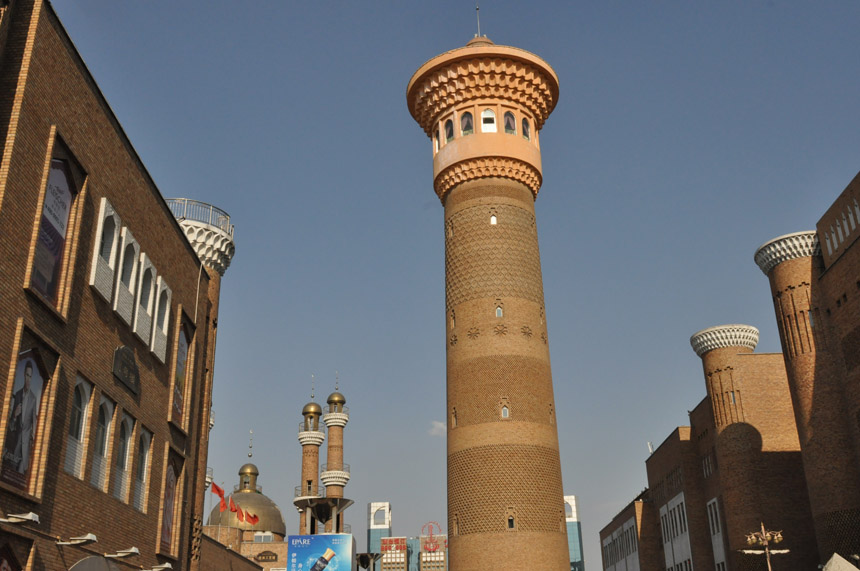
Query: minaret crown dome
column 249, row 469
column 336, row 398
column 311, row 408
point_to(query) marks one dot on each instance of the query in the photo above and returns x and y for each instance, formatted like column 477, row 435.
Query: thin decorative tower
column 483, row 106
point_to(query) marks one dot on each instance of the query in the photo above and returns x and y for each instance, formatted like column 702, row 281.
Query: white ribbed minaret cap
column 788, row 247
column 734, row 335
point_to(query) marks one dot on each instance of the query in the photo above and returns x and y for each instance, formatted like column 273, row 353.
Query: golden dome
column 249, row 469
column 255, row 503
column 311, row 408
column 336, row 398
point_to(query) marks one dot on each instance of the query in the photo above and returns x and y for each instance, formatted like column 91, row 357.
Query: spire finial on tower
column 336, row 381
column 478, row 15
column 312, row 386
column 251, row 445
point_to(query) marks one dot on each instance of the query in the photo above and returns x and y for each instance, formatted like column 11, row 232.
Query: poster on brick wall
column 22, row 422
column 329, row 552
column 48, row 258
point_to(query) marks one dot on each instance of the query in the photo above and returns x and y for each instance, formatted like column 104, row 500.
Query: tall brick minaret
column 483, row 106
column 335, row 474
column 311, row 436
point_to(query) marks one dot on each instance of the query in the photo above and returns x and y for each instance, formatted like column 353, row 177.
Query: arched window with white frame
column 105, row 250
column 102, row 440
column 75, row 446
column 526, row 130
column 158, row 343
column 141, row 470
column 145, row 299
column 126, row 285
column 123, row 451
column 488, row 121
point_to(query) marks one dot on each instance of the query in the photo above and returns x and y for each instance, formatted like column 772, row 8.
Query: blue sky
column 686, row 135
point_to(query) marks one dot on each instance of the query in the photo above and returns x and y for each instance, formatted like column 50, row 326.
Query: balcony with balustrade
column 208, row 229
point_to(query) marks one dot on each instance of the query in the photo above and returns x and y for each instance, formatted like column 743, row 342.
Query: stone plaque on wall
column 125, row 368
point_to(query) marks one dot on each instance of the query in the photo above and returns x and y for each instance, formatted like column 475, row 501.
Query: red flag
column 223, row 505
column 252, row 519
column 240, row 514
column 233, row 507
column 217, row 490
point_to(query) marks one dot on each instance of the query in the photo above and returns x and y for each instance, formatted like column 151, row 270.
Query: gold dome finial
column 251, row 444
column 312, row 408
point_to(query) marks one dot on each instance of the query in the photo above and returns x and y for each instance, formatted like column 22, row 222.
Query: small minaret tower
column 335, row 474
column 483, row 106
column 311, row 436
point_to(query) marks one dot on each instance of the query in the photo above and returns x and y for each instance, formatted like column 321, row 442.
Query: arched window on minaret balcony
column 467, row 123
column 449, row 131
column 526, row 132
column 488, row 121
column 510, row 123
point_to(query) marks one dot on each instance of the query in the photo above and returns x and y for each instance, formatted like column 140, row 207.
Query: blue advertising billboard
column 325, row 552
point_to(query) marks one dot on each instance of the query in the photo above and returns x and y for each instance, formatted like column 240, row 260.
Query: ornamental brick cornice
column 336, row 419
column 334, row 478
column 311, row 437
column 500, row 73
column 482, row 167
column 214, row 246
column 788, row 247
column 722, row 336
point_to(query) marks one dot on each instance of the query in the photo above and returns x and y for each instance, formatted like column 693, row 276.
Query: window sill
column 176, row 426
column 47, row 304
column 17, row 491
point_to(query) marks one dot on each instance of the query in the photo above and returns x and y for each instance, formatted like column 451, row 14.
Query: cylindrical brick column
column 738, row 445
column 482, row 106
column 792, row 264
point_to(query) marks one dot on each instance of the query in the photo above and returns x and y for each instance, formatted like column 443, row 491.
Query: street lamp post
column 764, row 538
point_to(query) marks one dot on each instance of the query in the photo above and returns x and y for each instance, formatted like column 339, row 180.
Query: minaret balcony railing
column 239, row 488
column 313, row 437
column 329, row 409
column 343, row 468
column 187, row 209
column 303, row 492
column 304, row 428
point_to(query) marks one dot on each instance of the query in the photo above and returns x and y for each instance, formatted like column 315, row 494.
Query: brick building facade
column 736, row 465
column 777, row 439
column 630, row 542
column 107, row 323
